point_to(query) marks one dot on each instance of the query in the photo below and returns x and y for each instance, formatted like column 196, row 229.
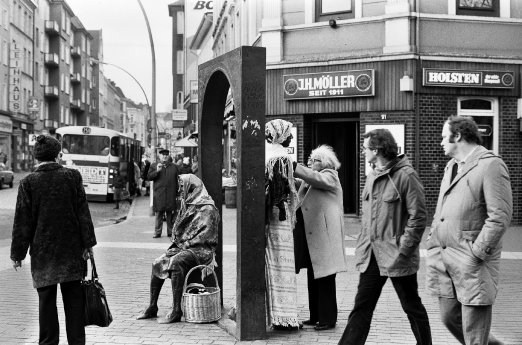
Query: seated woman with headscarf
column 280, row 203
column 194, row 240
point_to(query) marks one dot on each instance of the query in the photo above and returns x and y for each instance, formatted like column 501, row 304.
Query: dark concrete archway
column 244, row 71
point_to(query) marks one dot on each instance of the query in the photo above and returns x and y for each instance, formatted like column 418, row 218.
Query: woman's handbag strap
column 94, row 274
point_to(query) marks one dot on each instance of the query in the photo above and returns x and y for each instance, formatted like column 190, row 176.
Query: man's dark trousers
column 158, row 228
column 368, row 293
column 73, row 302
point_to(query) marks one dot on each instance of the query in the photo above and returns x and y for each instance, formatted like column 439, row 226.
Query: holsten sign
column 329, row 85
column 465, row 78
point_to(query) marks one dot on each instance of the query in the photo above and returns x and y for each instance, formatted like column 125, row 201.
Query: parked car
column 6, row 176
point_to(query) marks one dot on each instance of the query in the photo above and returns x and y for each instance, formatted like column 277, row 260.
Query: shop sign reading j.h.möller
column 468, row 78
column 329, row 85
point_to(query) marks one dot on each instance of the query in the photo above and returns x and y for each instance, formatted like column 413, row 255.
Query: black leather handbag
column 96, row 308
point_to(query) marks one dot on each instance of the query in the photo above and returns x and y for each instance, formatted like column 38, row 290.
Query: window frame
column 340, row 15
column 463, row 10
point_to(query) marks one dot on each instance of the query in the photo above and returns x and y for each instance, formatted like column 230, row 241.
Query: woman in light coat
column 320, row 227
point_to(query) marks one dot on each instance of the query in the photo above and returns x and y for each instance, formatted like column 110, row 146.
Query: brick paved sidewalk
column 124, row 257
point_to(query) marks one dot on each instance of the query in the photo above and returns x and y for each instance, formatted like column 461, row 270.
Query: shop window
column 483, row 8
column 333, row 9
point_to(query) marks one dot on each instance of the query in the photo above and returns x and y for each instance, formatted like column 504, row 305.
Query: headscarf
column 277, row 131
column 194, row 191
column 189, row 220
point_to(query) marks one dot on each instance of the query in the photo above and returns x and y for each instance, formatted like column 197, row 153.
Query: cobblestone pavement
column 124, row 255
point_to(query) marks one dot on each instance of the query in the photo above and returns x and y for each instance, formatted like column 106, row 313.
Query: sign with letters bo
column 468, row 78
column 329, row 85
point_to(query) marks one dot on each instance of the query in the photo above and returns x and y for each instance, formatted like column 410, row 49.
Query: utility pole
column 154, row 132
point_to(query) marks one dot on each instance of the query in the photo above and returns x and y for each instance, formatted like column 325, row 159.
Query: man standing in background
column 165, row 177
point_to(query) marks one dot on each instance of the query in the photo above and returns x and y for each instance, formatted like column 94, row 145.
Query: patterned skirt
column 280, row 273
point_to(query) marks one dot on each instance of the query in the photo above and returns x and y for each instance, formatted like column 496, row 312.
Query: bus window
column 85, row 144
column 106, row 146
column 115, row 146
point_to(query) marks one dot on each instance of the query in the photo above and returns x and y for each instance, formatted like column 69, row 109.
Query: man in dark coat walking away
column 53, row 221
column 165, row 177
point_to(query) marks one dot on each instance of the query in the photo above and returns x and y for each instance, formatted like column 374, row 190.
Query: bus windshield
column 86, row 144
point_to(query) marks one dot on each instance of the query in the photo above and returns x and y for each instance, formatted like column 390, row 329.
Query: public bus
column 98, row 154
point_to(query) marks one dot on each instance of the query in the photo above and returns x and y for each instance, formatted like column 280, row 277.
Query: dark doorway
column 343, row 136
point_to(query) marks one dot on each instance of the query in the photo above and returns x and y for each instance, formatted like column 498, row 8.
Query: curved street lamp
column 153, row 134
column 128, row 73
column 153, row 142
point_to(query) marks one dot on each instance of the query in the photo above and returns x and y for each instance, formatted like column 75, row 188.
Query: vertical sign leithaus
column 15, row 61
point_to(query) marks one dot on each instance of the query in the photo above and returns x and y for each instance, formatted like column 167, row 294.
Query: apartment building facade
column 50, row 76
column 6, row 124
column 97, row 75
column 21, row 55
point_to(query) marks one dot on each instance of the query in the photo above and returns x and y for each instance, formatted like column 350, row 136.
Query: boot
column 155, row 289
column 174, row 315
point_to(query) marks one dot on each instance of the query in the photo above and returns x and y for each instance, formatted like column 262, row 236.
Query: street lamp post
column 154, row 137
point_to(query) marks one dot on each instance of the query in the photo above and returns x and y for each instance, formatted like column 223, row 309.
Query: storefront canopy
column 186, row 142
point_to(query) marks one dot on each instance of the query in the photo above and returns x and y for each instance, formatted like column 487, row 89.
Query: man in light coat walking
column 473, row 212
column 393, row 221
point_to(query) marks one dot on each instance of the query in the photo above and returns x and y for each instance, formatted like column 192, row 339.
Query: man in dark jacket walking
column 393, row 221
column 165, row 177
column 52, row 218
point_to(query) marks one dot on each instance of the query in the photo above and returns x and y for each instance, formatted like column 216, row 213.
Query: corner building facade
column 402, row 65
column 339, row 69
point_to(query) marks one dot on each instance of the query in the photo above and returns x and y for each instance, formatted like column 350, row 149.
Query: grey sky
column 126, row 44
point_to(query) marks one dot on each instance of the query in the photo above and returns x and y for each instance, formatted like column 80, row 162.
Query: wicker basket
column 205, row 307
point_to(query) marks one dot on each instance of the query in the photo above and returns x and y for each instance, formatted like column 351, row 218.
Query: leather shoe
column 171, row 317
column 285, row 328
column 309, row 322
column 149, row 313
column 156, row 236
column 323, row 326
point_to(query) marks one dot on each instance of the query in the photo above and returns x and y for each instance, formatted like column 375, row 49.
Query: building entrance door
column 343, row 136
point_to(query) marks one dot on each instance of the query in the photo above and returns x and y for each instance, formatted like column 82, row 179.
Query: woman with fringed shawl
column 194, row 237
column 280, row 203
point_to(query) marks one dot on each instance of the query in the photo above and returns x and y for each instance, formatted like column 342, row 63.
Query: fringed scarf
column 279, row 183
